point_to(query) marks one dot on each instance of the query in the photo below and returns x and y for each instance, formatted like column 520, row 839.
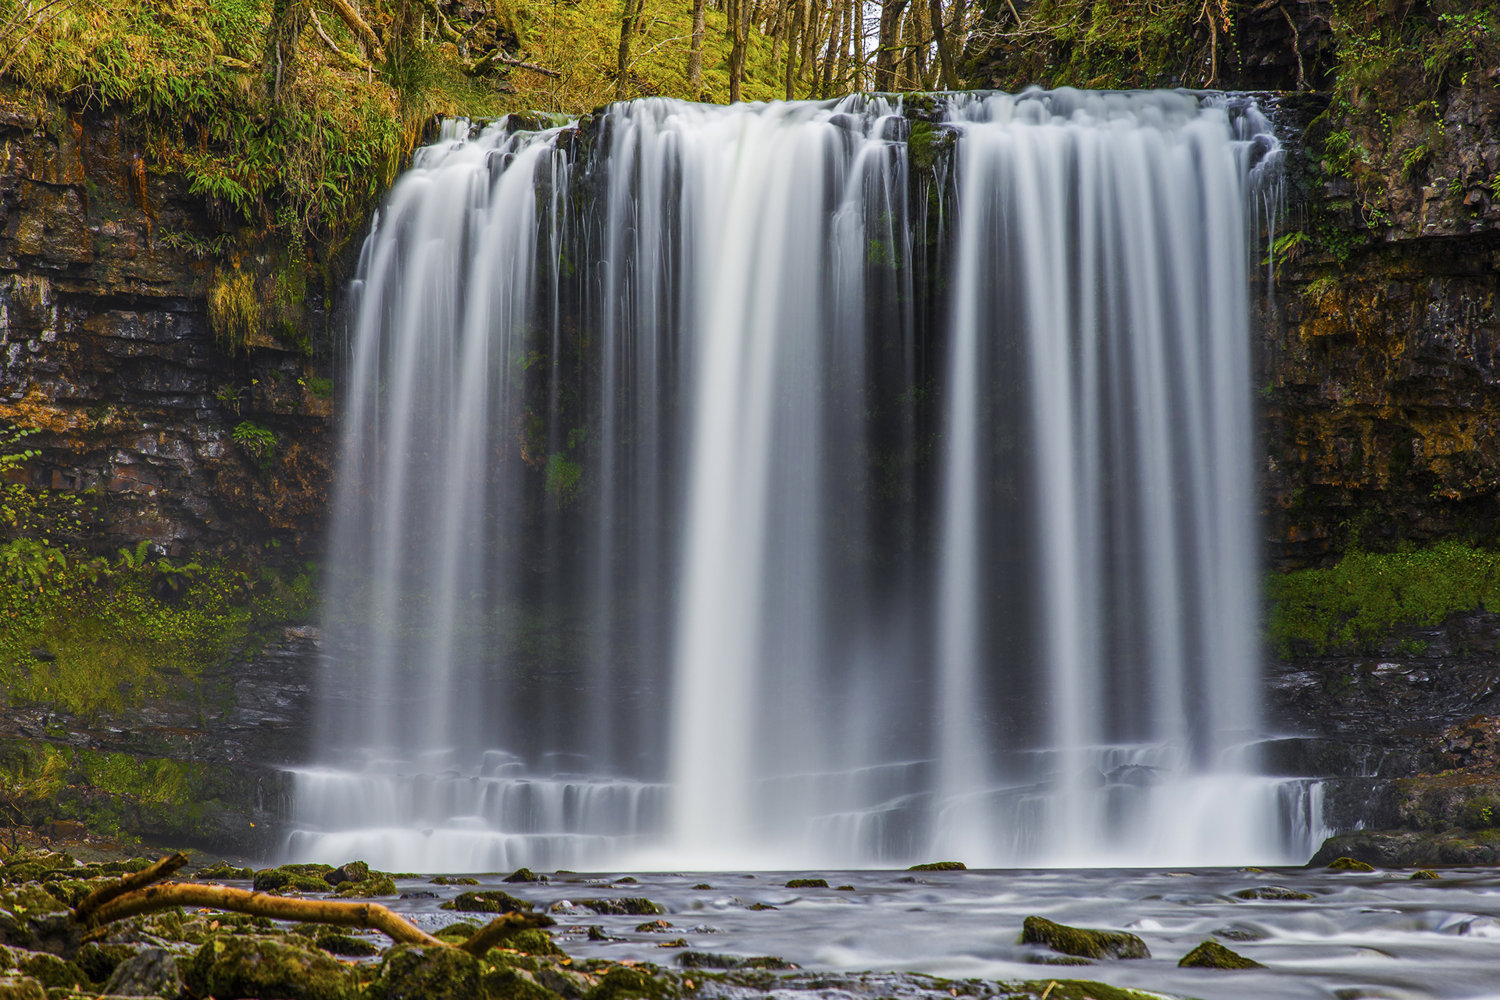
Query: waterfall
column 805, row 484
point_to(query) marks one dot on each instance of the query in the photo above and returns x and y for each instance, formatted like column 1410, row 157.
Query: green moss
column 531, row 941
column 1365, row 596
column 257, row 966
column 940, row 866
column 1213, row 955
column 635, row 906
column 413, row 973
column 1425, row 874
column 1349, row 865
column 515, row 984
column 807, row 883
column 929, row 144
column 493, row 901
column 1076, row 989
column 621, row 982
column 1081, row 942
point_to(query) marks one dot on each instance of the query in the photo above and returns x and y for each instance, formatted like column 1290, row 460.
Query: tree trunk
column 793, row 49
column 739, row 11
column 835, row 42
column 628, row 15
column 695, row 49
column 887, row 42
column 944, row 49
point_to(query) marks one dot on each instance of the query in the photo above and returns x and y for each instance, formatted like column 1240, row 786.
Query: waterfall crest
column 809, row 484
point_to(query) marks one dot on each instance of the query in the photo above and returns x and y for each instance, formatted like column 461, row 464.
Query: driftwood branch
column 496, row 56
column 129, row 883
column 133, row 895
column 259, row 904
column 499, row 929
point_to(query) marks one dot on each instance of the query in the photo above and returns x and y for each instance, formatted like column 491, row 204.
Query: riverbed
column 1377, row 934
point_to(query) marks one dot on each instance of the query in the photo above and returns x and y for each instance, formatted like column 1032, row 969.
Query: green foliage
column 117, row 630
column 1359, row 601
column 257, row 441
column 233, row 309
column 563, row 477
column 31, row 562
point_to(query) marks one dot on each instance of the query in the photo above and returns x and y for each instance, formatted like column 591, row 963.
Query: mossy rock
column 1347, row 864
column 706, row 960
column 410, row 972
column 1273, row 892
column 940, row 866
column 1213, row 955
column 151, row 972
column 524, row 875
column 625, row 906
column 532, row 941
column 493, row 901
column 21, row 988
column 621, row 982
column 223, row 870
column 350, row 871
column 99, row 961
column 51, row 971
column 515, row 984
column 339, row 943
column 445, row 880
column 460, row 930
column 764, row 962
column 1077, row 989
column 807, row 883
column 288, row 879
column 234, row 966
column 33, row 866
column 380, row 885
column 653, row 927
column 1082, row 942
column 1423, row 874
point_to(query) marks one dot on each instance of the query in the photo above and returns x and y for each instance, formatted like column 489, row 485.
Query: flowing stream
column 773, row 486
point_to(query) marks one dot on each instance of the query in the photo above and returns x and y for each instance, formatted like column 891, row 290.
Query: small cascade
column 805, row 485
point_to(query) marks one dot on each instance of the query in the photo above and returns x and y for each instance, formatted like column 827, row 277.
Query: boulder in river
column 1082, row 942
column 1213, row 955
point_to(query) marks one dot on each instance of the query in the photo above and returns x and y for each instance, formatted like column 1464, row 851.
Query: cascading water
column 804, row 484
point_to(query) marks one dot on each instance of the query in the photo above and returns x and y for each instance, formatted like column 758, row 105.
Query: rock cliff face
column 106, row 347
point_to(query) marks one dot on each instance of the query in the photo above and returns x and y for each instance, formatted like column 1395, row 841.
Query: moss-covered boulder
column 807, row 883
column 625, row 906
column 1348, row 864
column 1424, row 874
column 223, row 870
column 349, row 871
column 99, row 961
column 378, row 885
column 1082, row 942
column 622, row 982
column 21, row 988
column 1272, row 892
column 410, row 972
column 531, row 941
column 293, row 878
column 340, row 943
column 509, row 983
column 940, row 866
column 228, row 967
column 154, row 972
column 493, row 901
column 1213, row 955
column 524, row 875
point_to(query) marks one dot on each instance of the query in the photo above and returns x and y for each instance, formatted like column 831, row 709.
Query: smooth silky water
column 805, row 485
column 1360, row 935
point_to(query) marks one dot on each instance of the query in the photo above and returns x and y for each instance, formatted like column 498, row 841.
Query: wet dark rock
column 702, row 885
column 1412, row 849
column 653, row 927
column 1213, row 955
column 152, row 972
column 940, row 866
column 1082, row 942
column 762, row 906
column 1271, row 892
column 42, row 654
column 634, row 906
column 706, row 960
column 1424, row 874
column 350, row 871
column 807, row 883
column 1240, row 932
column 520, row 984
column 252, row 966
column 419, row 894
column 492, row 901
column 524, row 875
column 431, row 973
column 99, row 961
column 1348, row 864
column 596, row 933
column 674, row 943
